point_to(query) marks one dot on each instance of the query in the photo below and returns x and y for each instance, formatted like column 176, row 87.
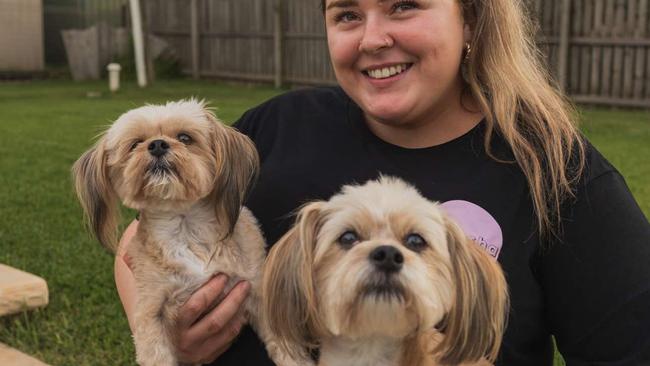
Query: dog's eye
column 415, row 242
column 184, row 138
column 348, row 238
column 134, row 145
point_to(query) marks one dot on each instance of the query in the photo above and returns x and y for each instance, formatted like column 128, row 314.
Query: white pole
column 138, row 44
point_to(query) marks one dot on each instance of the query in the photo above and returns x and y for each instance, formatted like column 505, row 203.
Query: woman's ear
column 474, row 326
column 289, row 303
column 96, row 195
column 467, row 34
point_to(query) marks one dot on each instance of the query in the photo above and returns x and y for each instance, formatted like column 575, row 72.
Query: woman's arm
column 124, row 280
column 200, row 338
column 597, row 280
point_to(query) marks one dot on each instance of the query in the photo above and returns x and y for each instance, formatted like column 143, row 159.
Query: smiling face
column 398, row 60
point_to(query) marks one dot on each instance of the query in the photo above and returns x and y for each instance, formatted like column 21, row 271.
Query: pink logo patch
column 477, row 224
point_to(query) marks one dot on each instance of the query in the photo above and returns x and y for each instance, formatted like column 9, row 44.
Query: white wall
column 21, row 35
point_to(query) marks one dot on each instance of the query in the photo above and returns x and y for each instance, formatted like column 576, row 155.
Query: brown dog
column 187, row 174
column 380, row 276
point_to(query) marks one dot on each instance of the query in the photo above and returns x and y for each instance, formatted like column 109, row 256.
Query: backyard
column 46, row 125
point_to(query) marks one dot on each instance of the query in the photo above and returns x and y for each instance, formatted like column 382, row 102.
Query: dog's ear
column 237, row 166
column 289, row 303
column 474, row 326
column 96, row 195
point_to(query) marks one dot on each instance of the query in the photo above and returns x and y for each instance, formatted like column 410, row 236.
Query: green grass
column 45, row 126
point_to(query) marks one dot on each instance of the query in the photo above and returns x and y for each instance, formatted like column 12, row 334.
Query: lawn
column 45, row 126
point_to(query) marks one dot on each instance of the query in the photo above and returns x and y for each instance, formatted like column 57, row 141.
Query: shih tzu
column 187, row 175
column 380, row 276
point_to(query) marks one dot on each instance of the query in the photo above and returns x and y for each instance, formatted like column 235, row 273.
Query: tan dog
column 379, row 276
column 187, row 174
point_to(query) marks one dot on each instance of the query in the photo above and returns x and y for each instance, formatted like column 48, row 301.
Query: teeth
column 387, row 71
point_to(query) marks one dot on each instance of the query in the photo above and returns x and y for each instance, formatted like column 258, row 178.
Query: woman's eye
column 402, row 6
column 345, row 17
column 135, row 144
column 184, row 138
column 415, row 242
column 348, row 238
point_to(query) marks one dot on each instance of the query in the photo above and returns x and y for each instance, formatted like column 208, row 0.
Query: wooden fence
column 599, row 50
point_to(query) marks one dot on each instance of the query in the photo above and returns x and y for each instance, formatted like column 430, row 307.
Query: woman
column 451, row 96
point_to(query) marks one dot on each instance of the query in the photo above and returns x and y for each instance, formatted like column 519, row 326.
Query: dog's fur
column 192, row 224
column 447, row 303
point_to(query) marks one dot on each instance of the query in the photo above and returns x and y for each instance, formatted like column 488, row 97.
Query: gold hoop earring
column 464, row 66
column 468, row 52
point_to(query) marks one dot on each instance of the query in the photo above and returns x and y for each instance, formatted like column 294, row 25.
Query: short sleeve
column 597, row 279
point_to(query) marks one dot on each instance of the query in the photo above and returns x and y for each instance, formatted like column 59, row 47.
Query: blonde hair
column 506, row 76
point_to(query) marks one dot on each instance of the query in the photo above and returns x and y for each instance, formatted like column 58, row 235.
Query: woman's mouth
column 387, row 71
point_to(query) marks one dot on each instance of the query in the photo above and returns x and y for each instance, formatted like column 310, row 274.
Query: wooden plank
column 277, row 43
column 639, row 64
column 628, row 72
column 586, row 51
column 13, row 357
column 640, row 60
column 618, row 61
column 563, row 52
column 20, row 291
column 628, row 52
column 575, row 16
column 647, row 73
column 597, row 52
column 195, row 44
column 606, row 70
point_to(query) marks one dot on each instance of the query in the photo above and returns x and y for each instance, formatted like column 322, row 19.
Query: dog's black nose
column 387, row 258
column 158, row 148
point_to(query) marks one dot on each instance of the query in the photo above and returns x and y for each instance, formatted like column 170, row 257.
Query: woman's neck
column 446, row 123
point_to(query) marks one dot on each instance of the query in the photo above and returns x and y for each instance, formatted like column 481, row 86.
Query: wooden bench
column 19, row 291
column 10, row 356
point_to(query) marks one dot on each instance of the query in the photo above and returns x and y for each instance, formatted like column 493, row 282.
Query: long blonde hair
column 507, row 77
column 505, row 74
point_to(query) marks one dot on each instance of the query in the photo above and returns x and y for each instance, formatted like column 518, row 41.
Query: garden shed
column 21, row 36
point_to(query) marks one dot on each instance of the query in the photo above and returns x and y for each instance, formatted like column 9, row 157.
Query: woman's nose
column 375, row 36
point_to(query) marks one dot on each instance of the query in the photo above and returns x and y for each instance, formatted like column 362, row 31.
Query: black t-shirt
column 591, row 290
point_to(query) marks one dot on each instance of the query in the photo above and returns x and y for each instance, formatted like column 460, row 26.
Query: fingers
column 220, row 320
column 219, row 343
column 213, row 334
column 201, row 301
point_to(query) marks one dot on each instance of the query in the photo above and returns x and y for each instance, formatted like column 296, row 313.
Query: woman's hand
column 203, row 338
column 200, row 337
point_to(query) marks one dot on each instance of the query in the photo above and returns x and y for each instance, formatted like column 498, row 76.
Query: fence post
column 138, row 42
column 277, row 42
column 194, row 21
column 563, row 45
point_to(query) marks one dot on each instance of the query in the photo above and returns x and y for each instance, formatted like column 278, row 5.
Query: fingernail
column 246, row 286
column 221, row 277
